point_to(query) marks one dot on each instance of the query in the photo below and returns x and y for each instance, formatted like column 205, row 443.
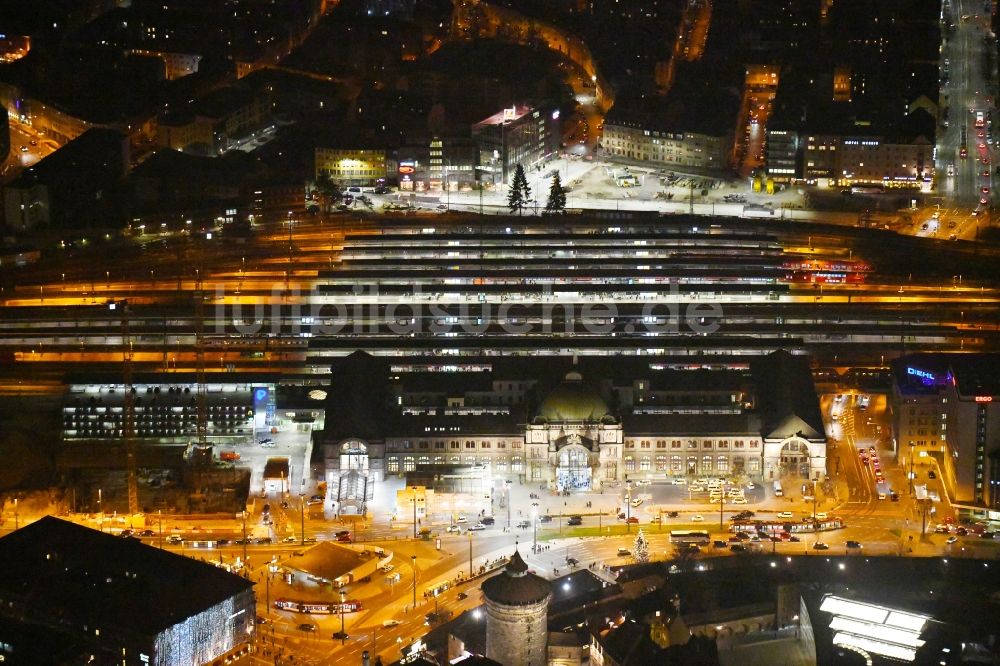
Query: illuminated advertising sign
column 406, row 167
column 984, row 398
column 922, row 374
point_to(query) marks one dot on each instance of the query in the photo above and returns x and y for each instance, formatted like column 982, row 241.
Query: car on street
column 738, row 500
column 147, row 533
column 950, row 540
column 289, row 539
column 174, row 539
column 264, row 541
column 697, row 518
column 478, row 527
column 546, row 518
column 126, row 533
column 624, row 552
column 931, row 475
column 386, row 568
column 738, row 548
column 575, row 520
column 743, row 515
column 719, row 543
column 819, row 545
column 794, row 539
column 680, row 481
column 523, row 524
column 488, row 520
column 637, row 501
column 462, row 596
column 386, row 624
column 632, row 520
column 853, row 544
column 454, row 529
column 820, row 516
column 24, row 149
column 461, row 519
column 785, row 515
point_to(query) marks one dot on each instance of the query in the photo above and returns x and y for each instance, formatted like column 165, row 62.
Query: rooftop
column 515, row 585
column 91, row 578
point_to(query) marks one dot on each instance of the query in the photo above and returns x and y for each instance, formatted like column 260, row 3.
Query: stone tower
column 517, row 605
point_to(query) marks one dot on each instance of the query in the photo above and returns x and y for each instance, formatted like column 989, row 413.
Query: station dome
column 574, row 400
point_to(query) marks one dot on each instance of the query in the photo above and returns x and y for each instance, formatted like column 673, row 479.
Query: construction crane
column 128, row 409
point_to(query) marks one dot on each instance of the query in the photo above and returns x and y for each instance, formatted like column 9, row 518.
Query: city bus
column 698, row 537
column 778, row 492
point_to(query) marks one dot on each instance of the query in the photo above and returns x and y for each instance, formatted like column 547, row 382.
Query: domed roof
column 574, row 400
column 515, row 586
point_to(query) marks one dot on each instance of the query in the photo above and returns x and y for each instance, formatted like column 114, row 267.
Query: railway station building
column 569, row 425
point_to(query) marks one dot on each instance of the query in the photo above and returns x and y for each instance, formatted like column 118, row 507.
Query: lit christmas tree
column 640, row 551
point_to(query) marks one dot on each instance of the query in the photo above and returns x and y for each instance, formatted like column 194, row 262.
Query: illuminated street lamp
column 413, row 564
column 534, row 526
column 343, row 633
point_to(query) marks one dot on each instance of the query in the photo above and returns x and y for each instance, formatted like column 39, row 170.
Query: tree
column 640, row 550
column 557, row 197
column 520, row 193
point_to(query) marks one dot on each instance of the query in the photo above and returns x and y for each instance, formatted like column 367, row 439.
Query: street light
column 302, row 513
column 413, row 498
column 413, row 564
column 343, row 633
column 534, row 526
column 628, row 506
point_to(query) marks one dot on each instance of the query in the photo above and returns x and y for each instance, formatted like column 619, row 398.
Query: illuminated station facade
column 572, row 426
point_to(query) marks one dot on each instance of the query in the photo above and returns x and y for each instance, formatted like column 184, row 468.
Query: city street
column 966, row 142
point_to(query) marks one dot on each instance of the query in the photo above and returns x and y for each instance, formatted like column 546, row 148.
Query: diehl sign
column 927, row 376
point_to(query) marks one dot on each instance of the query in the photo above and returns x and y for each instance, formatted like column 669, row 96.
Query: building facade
column 438, row 164
column 840, row 160
column 946, row 411
column 519, row 135
column 637, row 141
column 352, row 166
column 577, row 434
